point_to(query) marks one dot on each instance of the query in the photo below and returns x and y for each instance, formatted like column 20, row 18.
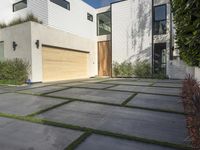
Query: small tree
column 187, row 23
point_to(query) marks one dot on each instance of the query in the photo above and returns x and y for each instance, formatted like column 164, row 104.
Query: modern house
column 78, row 41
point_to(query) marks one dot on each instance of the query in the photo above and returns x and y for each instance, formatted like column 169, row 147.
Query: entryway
column 104, row 58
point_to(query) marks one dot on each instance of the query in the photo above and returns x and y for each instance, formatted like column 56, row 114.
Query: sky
column 99, row 3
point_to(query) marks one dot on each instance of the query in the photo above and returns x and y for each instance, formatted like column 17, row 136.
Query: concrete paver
column 114, row 97
column 159, row 126
column 99, row 142
column 22, row 104
column 172, row 103
column 19, row 135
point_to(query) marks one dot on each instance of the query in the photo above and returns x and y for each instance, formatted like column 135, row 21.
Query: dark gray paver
column 172, row 103
column 90, row 85
column 93, row 95
column 153, row 90
column 160, row 126
column 19, row 135
column 129, row 82
column 99, row 142
column 177, row 85
column 3, row 90
column 170, row 81
column 42, row 90
column 22, row 104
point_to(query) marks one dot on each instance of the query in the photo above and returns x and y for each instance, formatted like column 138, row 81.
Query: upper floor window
column 160, row 19
column 63, row 3
column 104, row 23
column 19, row 5
column 90, row 17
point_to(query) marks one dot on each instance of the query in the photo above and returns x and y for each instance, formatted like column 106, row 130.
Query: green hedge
column 187, row 23
column 127, row 69
column 14, row 71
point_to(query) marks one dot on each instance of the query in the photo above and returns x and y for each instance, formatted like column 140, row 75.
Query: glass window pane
column 90, row 17
column 20, row 5
column 1, row 51
column 160, row 13
column 160, row 27
column 104, row 23
column 62, row 3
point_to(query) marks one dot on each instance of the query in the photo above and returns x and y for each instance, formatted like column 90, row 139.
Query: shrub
column 187, row 24
column 191, row 102
column 29, row 17
column 14, row 71
column 142, row 69
column 127, row 69
column 124, row 69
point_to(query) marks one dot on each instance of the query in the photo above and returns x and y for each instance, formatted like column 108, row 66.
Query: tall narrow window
column 90, row 17
column 1, row 51
column 104, row 23
column 63, row 3
column 19, row 5
column 160, row 19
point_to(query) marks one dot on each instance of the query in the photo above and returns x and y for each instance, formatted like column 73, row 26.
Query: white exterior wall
column 23, row 49
column 132, row 30
column 53, row 37
column 74, row 20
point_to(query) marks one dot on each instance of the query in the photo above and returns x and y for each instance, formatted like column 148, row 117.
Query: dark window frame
column 98, row 23
column 161, row 20
column 90, row 17
column 68, row 7
column 13, row 6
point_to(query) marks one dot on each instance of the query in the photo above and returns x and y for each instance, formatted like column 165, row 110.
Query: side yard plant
column 191, row 102
column 14, row 71
column 127, row 69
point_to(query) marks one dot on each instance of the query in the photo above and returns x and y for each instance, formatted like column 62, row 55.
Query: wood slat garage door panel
column 63, row 64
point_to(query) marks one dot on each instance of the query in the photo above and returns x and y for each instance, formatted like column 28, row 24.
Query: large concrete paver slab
column 129, row 82
column 114, row 97
column 171, row 103
column 170, row 81
column 89, row 85
column 159, row 126
column 19, row 135
column 99, row 142
column 21, row 104
column 3, row 91
column 42, row 90
column 176, row 85
column 151, row 90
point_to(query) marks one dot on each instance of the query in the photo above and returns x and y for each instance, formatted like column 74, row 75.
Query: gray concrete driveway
column 93, row 114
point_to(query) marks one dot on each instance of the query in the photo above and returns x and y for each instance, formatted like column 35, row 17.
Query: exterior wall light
column 14, row 44
column 37, row 43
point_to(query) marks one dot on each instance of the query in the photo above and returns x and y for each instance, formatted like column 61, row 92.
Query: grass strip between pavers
column 78, row 141
column 95, row 131
column 116, row 105
column 48, row 109
column 128, row 99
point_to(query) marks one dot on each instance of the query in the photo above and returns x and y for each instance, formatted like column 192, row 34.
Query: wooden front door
column 104, row 58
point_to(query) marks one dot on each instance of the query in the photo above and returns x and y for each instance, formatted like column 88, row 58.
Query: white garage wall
column 53, row 37
column 132, row 30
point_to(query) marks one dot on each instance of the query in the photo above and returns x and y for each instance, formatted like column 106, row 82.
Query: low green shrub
column 124, row 69
column 29, row 17
column 142, row 69
column 14, row 71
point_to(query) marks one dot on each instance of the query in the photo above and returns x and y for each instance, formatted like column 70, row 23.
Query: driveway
column 93, row 114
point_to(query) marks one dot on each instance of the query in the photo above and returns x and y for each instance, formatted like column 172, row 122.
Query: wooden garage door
column 63, row 64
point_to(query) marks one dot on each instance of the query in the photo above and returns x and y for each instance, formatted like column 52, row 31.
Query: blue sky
column 99, row 3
